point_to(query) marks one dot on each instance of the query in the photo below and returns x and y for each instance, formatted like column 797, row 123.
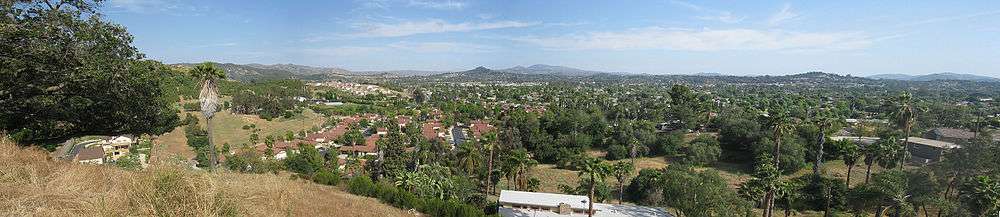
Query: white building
column 521, row 203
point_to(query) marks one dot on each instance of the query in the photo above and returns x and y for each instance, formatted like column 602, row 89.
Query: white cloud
column 658, row 38
column 403, row 46
column 711, row 14
column 431, row 26
column 725, row 17
column 438, row 4
column 785, row 14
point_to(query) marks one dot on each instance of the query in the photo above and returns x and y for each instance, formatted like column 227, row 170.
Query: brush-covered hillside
column 32, row 184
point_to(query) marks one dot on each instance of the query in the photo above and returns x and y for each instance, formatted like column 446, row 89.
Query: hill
column 540, row 69
column 35, row 185
column 935, row 77
column 259, row 72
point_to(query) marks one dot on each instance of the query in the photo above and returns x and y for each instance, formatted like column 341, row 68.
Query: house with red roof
column 478, row 128
column 432, row 130
column 370, row 146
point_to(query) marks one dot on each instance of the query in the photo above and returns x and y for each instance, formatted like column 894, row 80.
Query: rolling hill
column 935, row 77
column 541, row 69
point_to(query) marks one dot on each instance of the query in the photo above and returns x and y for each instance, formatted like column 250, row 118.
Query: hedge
column 403, row 199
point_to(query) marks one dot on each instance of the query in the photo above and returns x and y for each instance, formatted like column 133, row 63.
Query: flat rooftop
column 576, row 202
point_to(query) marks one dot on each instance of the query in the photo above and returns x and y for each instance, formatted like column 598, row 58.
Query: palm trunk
column 489, row 174
column 906, row 147
column 213, row 159
column 590, row 202
column 769, row 208
column 849, row 169
column 868, row 173
column 621, row 190
column 819, row 153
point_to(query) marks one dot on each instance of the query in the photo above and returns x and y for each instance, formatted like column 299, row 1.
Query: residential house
column 480, row 128
column 403, row 121
column 117, row 147
column 369, row 148
column 928, row 150
column 283, row 148
column 432, row 130
column 953, row 135
column 91, row 155
column 521, row 203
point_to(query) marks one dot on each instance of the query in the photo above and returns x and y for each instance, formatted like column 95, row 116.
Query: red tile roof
column 430, row 130
column 284, row 145
column 480, row 128
column 403, row 120
column 370, row 145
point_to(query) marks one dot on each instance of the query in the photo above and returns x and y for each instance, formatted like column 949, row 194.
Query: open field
column 31, row 184
column 171, row 145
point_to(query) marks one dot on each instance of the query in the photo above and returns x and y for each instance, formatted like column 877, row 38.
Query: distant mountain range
column 934, row 77
column 256, row 72
column 541, row 69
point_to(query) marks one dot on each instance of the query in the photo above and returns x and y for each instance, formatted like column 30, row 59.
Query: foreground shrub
column 327, row 177
column 403, row 199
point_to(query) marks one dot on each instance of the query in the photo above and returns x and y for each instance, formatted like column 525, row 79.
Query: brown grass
column 31, row 184
column 171, row 145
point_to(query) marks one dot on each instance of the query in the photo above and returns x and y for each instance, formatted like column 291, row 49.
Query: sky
column 655, row 37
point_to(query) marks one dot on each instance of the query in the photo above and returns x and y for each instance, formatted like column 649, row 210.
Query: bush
column 400, row 198
column 192, row 106
column 668, row 144
column 361, row 185
column 616, row 152
column 327, row 177
column 702, row 151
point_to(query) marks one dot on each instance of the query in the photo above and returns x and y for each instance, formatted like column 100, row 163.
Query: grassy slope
column 31, row 184
column 228, row 128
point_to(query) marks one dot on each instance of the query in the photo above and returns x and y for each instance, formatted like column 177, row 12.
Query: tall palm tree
column 824, row 120
column 209, row 99
column 489, row 143
column 781, row 124
column 903, row 113
column 520, row 163
column 469, row 157
column 595, row 170
column 622, row 170
column 850, row 153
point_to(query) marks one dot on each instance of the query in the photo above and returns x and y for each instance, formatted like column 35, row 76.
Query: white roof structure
column 520, row 203
column 542, row 199
column 933, row 143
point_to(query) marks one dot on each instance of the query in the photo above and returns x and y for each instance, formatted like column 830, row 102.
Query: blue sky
column 657, row 37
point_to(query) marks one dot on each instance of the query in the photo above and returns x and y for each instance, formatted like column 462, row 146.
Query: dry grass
column 228, row 127
column 33, row 185
column 171, row 145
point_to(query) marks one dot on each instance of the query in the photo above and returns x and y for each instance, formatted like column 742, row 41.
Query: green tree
column 703, row 150
column 981, row 195
column 622, row 171
column 67, row 73
column 850, row 153
column 594, row 170
column 699, row 194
